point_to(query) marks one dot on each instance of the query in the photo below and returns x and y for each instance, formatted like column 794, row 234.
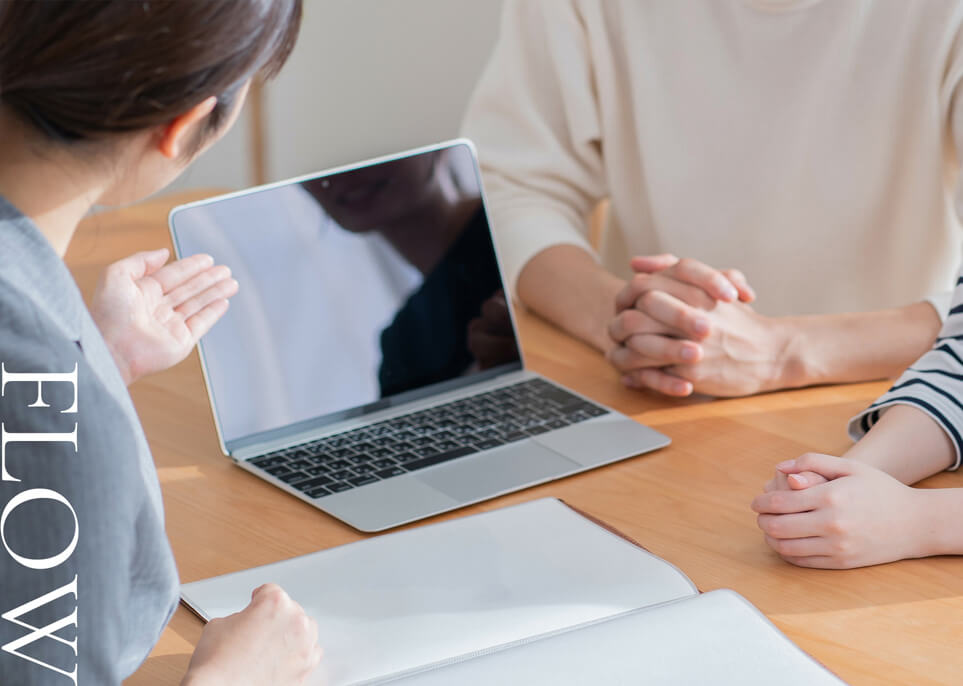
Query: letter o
column 27, row 496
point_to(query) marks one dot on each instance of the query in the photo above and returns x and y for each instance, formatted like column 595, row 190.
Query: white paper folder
column 534, row 593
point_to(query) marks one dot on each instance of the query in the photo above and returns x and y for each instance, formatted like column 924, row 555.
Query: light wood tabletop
column 900, row 623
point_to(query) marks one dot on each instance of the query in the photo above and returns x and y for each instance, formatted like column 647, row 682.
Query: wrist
column 120, row 360
column 936, row 519
column 803, row 358
column 566, row 285
column 199, row 677
column 608, row 289
column 597, row 318
column 789, row 353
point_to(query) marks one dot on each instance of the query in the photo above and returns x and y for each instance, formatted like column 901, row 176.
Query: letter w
column 48, row 631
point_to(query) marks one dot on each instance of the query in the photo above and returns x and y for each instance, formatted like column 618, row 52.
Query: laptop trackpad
column 494, row 472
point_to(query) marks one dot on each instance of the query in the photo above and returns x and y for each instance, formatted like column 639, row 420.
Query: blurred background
column 368, row 77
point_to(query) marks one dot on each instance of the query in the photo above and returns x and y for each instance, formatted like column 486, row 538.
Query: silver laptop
column 370, row 364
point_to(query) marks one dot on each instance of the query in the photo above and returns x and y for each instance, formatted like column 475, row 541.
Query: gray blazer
column 127, row 585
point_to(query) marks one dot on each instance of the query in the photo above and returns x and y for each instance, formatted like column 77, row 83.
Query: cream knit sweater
column 812, row 144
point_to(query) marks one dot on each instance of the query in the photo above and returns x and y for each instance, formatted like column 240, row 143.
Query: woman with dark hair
column 104, row 102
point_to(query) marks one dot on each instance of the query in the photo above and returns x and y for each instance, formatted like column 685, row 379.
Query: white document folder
column 488, row 595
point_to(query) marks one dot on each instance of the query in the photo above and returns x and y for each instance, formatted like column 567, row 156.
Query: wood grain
column 895, row 624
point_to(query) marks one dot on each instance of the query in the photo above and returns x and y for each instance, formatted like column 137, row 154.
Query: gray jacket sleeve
column 72, row 585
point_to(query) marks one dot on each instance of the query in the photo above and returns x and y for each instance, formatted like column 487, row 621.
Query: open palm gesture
column 151, row 313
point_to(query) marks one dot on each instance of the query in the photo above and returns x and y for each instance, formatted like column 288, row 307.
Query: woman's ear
column 179, row 135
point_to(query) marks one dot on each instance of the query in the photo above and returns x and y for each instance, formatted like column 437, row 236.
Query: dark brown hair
column 86, row 69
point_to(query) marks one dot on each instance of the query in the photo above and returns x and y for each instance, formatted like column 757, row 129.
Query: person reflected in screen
column 457, row 320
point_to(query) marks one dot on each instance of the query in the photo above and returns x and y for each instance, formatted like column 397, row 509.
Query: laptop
column 370, row 363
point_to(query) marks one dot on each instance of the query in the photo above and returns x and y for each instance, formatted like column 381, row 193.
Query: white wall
column 368, row 77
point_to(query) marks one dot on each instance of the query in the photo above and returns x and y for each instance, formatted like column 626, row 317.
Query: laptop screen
column 358, row 289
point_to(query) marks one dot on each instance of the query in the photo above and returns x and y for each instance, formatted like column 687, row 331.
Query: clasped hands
column 838, row 513
column 683, row 327
column 151, row 313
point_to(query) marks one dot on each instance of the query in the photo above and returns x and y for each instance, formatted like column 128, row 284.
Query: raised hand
column 271, row 641
column 151, row 313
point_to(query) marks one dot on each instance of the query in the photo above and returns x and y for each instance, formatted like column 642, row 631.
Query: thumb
column 141, row 264
column 738, row 279
column 155, row 259
column 649, row 264
column 803, row 480
column 826, row 466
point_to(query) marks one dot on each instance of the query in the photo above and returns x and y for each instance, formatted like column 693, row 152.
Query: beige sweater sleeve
column 951, row 105
column 534, row 119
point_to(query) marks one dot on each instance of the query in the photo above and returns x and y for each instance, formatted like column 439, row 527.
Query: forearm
column 565, row 285
column 907, row 444
column 843, row 348
column 204, row 677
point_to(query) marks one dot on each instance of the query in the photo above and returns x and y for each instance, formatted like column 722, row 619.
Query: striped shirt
column 934, row 384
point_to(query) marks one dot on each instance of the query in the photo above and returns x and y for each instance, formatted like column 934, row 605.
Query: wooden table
column 900, row 623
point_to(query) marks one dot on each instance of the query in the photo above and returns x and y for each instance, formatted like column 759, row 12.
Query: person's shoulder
column 27, row 334
column 38, row 358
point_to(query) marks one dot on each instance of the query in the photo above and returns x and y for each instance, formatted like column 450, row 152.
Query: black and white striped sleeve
column 934, row 384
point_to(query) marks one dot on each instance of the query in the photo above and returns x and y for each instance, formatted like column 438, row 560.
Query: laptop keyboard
column 421, row 439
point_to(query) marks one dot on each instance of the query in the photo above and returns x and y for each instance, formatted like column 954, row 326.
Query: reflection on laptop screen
column 356, row 287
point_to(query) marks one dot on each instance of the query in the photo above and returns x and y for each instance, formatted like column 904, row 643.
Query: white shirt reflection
column 302, row 337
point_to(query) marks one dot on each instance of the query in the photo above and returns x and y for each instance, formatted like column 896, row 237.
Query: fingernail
column 729, row 292
column 701, row 325
column 689, row 354
column 786, row 464
column 797, row 479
